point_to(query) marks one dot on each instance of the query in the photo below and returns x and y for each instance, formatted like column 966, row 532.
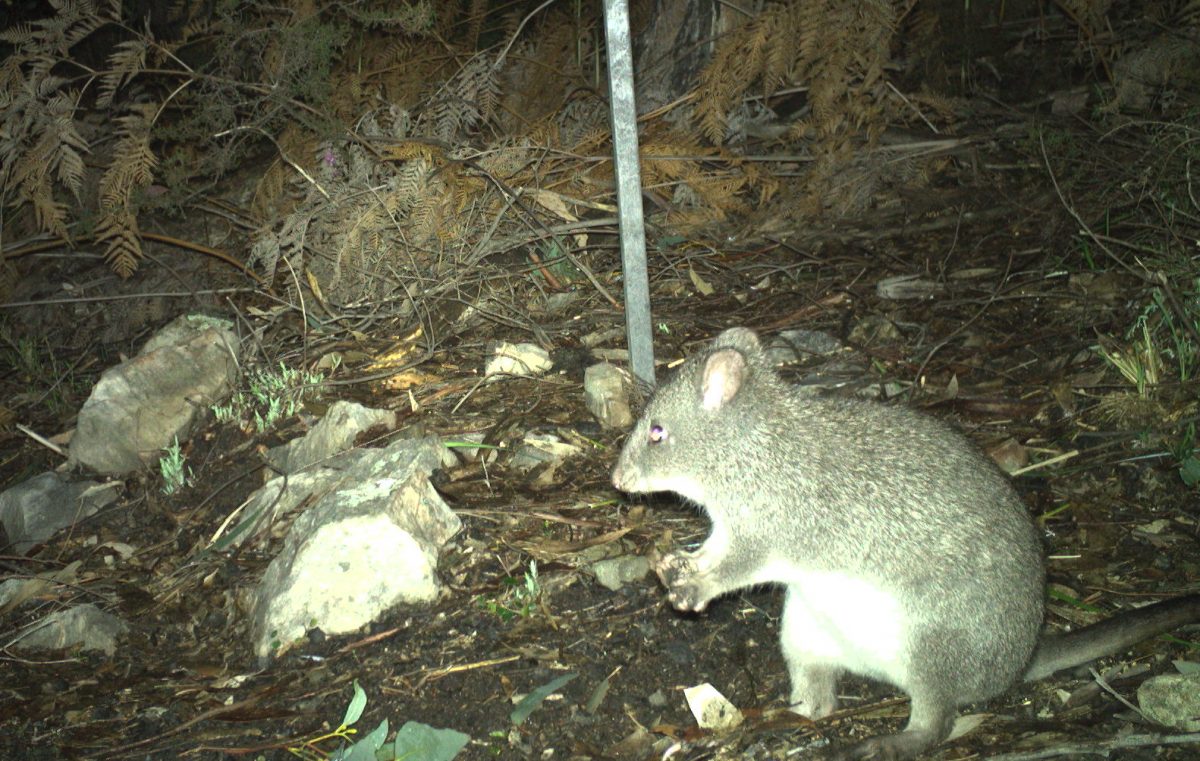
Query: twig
column 1045, row 463
column 42, row 440
column 1104, row 685
column 125, row 296
column 1098, row 747
column 913, row 106
column 282, row 155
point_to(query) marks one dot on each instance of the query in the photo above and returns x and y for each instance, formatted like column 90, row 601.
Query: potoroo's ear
column 724, row 374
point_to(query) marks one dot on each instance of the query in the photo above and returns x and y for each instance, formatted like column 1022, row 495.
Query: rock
column 31, row 512
column 518, row 359
column 369, row 540
column 84, row 626
column 15, row 592
column 1172, row 700
column 542, row 449
column 796, row 345
column 334, row 433
column 615, row 573
column 712, row 709
column 906, row 287
column 606, row 390
column 143, row 405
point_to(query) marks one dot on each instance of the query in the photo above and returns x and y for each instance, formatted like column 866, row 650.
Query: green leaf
column 420, row 742
column 364, row 749
column 1189, row 471
column 357, row 704
column 534, row 699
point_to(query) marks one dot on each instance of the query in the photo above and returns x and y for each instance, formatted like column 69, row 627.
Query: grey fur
column 906, row 554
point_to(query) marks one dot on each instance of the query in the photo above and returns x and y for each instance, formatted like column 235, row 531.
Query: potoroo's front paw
column 687, row 588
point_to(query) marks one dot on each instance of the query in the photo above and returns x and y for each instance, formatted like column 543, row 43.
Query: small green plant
column 1160, row 345
column 1185, row 453
column 1140, row 364
column 413, row 741
column 1176, row 337
column 519, row 598
column 499, row 742
column 558, row 264
column 272, row 395
column 175, row 473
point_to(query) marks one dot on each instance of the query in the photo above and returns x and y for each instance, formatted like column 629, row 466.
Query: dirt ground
column 1009, row 335
column 1003, row 346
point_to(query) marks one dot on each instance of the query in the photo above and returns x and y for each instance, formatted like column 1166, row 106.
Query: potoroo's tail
column 1064, row 651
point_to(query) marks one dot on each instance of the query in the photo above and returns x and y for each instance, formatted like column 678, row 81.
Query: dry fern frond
column 131, row 170
column 270, row 193
column 350, row 95
column 1131, row 411
column 69, row 159
column 761, row 49
column 41, row 148
column 593, row 143
column 90, row 21
column 406, row 69
column 118, row 230
column 57, row 152
column 466, row 99
column 19, row 35
column 361, row 222
column 410, row 183
column 56, row 34
column 476, row 14
column 11, row 79
column 838, row 50
column 126, row 60
column 415, row 17
column 133, row 161
column 412, row 149
column 666, row 161
column 270, row 246
column 509, row 162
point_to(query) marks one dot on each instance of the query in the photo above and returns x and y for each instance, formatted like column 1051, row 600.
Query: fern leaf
column 47, row 85
column 265, row 252
column 117, row 229
column 88, row 22
column 133, row 162
column 131, row 169
column 51, row 216
column 19, row 35
column 476, row 14
column 33, row 164
column 12, row 78
column 124, row 63
column 69, row 158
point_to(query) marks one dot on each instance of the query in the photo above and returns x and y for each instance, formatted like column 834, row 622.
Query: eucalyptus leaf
column 420, row 742
column 357, row 704
column 534, row 699
column 364, row 749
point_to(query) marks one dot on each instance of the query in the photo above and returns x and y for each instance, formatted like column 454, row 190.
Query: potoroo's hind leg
column 930, row 723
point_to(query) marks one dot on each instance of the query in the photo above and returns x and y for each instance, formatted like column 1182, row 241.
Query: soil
column 1003, row 347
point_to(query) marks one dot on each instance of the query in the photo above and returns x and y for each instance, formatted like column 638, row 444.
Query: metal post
column 629, row 189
